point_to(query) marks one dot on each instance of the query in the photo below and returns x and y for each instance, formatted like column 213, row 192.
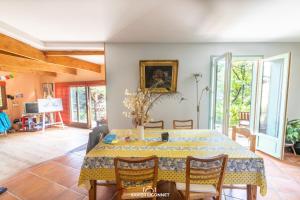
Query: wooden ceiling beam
column 42, row 73
column 25, row 70
column 16, row 47
column 73, row 53
column 36, row 65
column 74, row 63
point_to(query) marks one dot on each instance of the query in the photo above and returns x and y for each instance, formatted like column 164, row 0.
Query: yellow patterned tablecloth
column 244, row 167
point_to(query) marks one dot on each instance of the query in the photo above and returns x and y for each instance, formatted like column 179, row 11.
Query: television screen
column 31, row 108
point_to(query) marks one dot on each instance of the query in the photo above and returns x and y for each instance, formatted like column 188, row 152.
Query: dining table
column 243, row 168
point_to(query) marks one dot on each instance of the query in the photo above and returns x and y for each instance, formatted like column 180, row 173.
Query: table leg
column 251, row 192
column 93, row 190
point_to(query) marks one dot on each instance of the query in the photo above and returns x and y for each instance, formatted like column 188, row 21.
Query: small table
column 29, row 118
column 244, row 167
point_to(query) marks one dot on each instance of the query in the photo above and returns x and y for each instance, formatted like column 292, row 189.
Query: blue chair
column 5, row 123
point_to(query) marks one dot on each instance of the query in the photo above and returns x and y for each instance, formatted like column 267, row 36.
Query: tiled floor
column 18, row 151
column 57, row 180
column 52, row 180
column 283, row 178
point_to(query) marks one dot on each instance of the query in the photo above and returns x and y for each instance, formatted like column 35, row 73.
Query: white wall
column 122, row 65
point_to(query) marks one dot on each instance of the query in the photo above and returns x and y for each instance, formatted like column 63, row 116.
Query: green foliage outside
column 78, row 96
column 293, row 131
column 240, row 94
column 98, row 104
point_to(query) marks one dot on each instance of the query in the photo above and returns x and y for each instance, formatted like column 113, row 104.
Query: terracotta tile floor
column 57, row 180
column 20, row 150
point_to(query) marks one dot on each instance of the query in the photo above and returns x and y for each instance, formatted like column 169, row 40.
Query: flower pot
column 141, row 132
column 297, row 148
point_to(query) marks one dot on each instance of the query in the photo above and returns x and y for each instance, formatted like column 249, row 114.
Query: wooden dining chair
column 183, row 124
column 244, row 119
column 252, row 147
column 210, row 170
column 136, row 175
column 247, row 134
column 154, row 125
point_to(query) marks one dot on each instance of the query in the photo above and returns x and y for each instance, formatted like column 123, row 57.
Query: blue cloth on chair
column 4, row 122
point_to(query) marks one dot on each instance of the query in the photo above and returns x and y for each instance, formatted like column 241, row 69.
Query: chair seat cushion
column 198, row 188
column 244, row 122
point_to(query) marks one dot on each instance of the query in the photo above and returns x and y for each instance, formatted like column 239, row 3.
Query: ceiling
column 77, row 24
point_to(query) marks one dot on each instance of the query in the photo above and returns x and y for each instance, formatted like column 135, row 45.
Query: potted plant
column 293, row 134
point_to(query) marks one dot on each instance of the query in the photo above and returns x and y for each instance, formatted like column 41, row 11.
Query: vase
column 141, row 132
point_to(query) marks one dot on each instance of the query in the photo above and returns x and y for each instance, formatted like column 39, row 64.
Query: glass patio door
column 220, row 93
column 79, row 106
column 272, row 94
column 97, row 95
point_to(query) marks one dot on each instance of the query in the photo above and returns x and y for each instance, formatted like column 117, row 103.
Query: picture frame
column 152, row 72
column 48, row 90
column 3, row 98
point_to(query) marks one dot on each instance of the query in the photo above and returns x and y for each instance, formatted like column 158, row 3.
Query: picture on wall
column 159, row 75
column 3, row 97
column 48, row 90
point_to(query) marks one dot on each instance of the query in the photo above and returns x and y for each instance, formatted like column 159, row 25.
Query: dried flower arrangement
column 139, row 104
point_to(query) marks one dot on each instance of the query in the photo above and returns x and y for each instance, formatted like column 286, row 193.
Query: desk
column 244, row 167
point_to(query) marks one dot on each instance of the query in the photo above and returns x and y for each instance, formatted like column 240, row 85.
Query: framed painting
column 160, row 76
column 3, row 99
column 48, row 90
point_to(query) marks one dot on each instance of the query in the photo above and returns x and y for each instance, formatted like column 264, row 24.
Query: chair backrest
column 246, row 133
column 183, row 124
column 96, row 136
column 211, row 170
column 133, row 172
column 244, row 119
column 155, row 125
column 245, row 116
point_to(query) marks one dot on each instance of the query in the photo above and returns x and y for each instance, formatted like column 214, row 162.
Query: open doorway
column 252, row 93
column 97, row 96
column 242, row 89
column 233, row 86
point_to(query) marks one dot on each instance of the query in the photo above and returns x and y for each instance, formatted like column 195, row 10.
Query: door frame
column 213, row 77
column 80, row 124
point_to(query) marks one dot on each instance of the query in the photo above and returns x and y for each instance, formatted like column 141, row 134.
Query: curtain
column 63, row 92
